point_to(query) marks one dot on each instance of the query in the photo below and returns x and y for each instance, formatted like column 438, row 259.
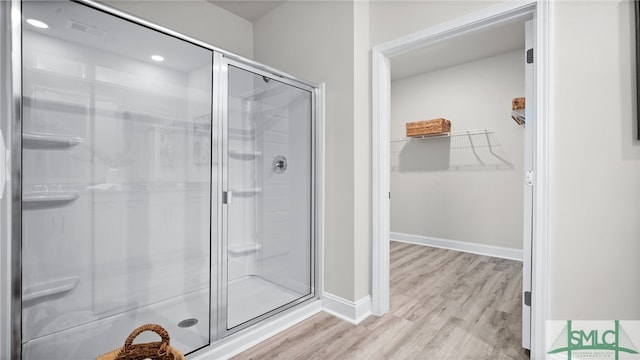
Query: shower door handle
column 3, row 165
column 227, row 197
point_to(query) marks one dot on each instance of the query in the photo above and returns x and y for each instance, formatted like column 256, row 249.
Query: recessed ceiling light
column 157, row 58
column 37, row 23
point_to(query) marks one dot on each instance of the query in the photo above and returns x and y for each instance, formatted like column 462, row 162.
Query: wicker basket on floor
column 158, row 350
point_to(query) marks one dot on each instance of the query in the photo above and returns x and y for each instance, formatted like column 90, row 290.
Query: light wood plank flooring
column 444, row 305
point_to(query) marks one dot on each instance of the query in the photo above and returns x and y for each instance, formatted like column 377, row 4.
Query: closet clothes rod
column 446, row 135
column 472, row 135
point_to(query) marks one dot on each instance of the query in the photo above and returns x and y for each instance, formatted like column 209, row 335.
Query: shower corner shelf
column 242, row 191
column 244, row 249
column 49, row 141
column 446, row 135
column 45, row 199
column 244, row 154
column 49, row 289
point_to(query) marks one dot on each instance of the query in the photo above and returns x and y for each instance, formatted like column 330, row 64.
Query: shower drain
column 187, row 323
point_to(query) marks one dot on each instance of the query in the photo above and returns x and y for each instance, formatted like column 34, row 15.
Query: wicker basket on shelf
column 157, row 350
column 437, row 126
column 517, row 110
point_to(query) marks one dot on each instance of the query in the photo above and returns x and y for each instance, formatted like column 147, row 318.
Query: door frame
column 380, row 137
column 528, row 189
column 11, row 191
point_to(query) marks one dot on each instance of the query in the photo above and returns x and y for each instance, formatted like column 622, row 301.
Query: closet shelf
column 49, row 289
column 49, row 141
column 446, row 135
column 244, row 249
column 479, row 143
column 43, row 199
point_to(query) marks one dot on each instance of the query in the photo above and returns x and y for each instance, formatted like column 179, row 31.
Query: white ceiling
column 459, row 50
column 248, row 10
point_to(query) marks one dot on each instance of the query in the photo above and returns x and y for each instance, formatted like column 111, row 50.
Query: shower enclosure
column 154, row 179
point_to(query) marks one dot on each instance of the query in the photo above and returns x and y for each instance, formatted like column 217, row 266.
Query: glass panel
column 117, row 183
column 269, row 177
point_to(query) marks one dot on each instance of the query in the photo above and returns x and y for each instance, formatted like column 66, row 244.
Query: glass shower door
column 117, row 142
column 268, row 248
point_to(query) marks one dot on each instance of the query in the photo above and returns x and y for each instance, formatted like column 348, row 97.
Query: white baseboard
column 480, row 249
column 244, row 340
column 353, row 312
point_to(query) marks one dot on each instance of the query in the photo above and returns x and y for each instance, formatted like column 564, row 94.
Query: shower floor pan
column 102, row 335
column 251, row 296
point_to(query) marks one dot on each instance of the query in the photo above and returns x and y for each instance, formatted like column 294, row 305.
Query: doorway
column 464, row 190
column 381, row 67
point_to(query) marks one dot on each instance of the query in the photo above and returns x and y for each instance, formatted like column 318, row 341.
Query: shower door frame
column 222, row 72
column 11, row 270
column 11, row 238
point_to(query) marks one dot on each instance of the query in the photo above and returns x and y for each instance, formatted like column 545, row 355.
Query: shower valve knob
column 279, row 164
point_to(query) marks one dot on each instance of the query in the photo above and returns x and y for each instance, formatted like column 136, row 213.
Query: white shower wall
column 132, row 241
column 287, row 135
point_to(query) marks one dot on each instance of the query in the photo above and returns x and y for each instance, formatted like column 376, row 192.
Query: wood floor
column 444, row 305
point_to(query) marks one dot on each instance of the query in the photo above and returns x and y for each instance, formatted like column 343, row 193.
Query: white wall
column 439, row 188
column 362, row 150
column 595, row 163
column 199, row 19
column 316, row 40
